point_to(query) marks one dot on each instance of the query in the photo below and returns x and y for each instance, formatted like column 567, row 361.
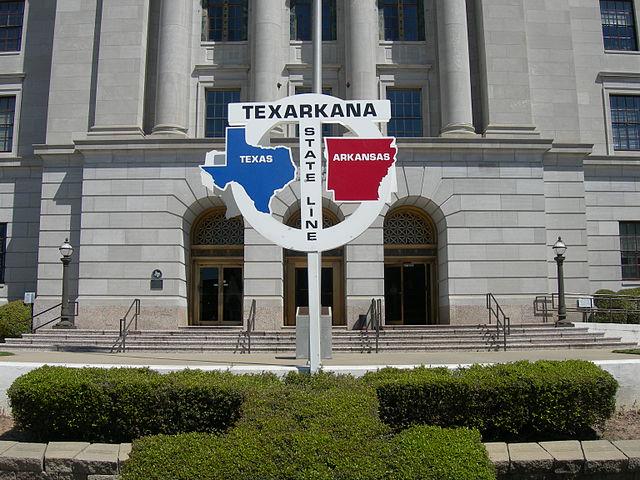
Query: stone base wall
column 62, row 460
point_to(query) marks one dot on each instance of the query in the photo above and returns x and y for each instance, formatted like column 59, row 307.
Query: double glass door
column 408, row 293
column 297, row 288
column 218, row 295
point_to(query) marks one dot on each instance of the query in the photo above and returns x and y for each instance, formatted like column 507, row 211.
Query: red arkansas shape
column 356, row 166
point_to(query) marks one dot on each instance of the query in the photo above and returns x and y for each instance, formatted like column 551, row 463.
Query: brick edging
column 562, row 458
column 63, row 460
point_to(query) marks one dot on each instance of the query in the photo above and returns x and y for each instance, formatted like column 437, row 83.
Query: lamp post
column 66, row 317
column 560, row 248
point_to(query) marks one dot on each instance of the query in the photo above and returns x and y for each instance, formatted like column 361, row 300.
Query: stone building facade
column 517, row 121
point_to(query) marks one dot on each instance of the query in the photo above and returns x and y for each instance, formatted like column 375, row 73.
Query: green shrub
column 14, row 319
column 519, row 401
column 431, row 452
column 627, row 309
column 426, row 453
column 118, row 405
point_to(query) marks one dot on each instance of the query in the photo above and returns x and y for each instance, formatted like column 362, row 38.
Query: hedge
column 628, row 309
column 425, row 453
column 14, row 319
column 118, row 405
column 520, row 401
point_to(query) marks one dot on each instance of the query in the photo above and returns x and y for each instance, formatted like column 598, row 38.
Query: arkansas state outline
column 261, row 171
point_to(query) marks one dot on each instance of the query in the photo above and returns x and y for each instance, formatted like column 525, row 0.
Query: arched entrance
column 410, row 263
column 217, row 258
column 296, row 284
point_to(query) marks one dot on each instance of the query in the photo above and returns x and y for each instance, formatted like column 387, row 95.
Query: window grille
column 404, row 227
column 217, row 111
column 618, row 25
column 225, row 20
column 625, row 120
column 406, row 112
column 302, row 20
column 630, row 250
column 11, row 19
column 216, row 229
column 7, row 115
column 401, row 20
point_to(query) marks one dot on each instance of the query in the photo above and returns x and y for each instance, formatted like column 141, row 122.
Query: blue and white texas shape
column 261, row 171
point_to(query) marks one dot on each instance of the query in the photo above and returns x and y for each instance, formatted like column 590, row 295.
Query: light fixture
column 66, row 250
column 559, row 247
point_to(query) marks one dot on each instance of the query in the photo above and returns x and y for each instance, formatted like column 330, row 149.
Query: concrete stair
column 391, row 339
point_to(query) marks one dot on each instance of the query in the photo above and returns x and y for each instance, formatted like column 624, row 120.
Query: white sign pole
column 314, row 259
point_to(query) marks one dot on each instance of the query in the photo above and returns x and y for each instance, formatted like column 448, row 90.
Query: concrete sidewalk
column 287, row 360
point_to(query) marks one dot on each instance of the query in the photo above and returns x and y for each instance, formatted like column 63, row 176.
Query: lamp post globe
column 66, row 316
column 560, row 248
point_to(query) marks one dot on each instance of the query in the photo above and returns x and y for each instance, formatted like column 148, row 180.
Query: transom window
column 618, row 25
column 406, row 112
column 406, row 227
column 7, row 114
column 3, row 247
column 11, row 18
column 625, row 119
column 401, row 20
column 217, row 109
column 215, row 229
column 225, row 20
column 302, row 20
column 630, row 250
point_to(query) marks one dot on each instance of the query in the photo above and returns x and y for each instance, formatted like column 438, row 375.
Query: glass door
column 297, row 292
column 407, row 293
column 219, row 293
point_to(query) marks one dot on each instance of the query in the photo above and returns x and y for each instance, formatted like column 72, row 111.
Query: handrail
column 49, row 322
column 609, row 308
column 374, row 320
column 503, row 325
column 246, row 334
column 121, row 343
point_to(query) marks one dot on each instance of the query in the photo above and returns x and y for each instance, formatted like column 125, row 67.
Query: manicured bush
column 14, row 319
column 426, row 453
column 118, row 405
column 519, row 401
column 627, row 310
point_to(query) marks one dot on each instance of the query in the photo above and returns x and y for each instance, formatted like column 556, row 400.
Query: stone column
column 267, row 49
column 363, row 39
column 174, row 61
column 454, row 67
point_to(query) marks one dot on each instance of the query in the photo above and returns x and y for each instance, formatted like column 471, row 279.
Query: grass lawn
column 5, row 354
column 630, row 351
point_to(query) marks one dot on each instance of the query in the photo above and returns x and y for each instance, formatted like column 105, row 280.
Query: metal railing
column 125, row 326
column 373, row 323
column 34, row 329
column 594, row 308
column 503, row 322
column 243, row 345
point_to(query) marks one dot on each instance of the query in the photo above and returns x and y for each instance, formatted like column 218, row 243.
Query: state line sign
column 360, row 168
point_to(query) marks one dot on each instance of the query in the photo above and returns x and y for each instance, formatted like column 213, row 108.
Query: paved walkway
column 342, row 359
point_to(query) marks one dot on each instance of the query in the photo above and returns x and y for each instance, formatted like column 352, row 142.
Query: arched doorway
column 410, row 263
column 217, row 258
column 296, row 293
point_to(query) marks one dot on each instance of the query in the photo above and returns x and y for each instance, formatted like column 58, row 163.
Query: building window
column 217, row 111
column 630, row 250
column 302, row 20
column 401, row 20
column 3, row 249
column 618, row 25
column 7, row 114
column 327, row 128
column 625, row 121
column 11, row 16
column 225, row 20
column 406, row 112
